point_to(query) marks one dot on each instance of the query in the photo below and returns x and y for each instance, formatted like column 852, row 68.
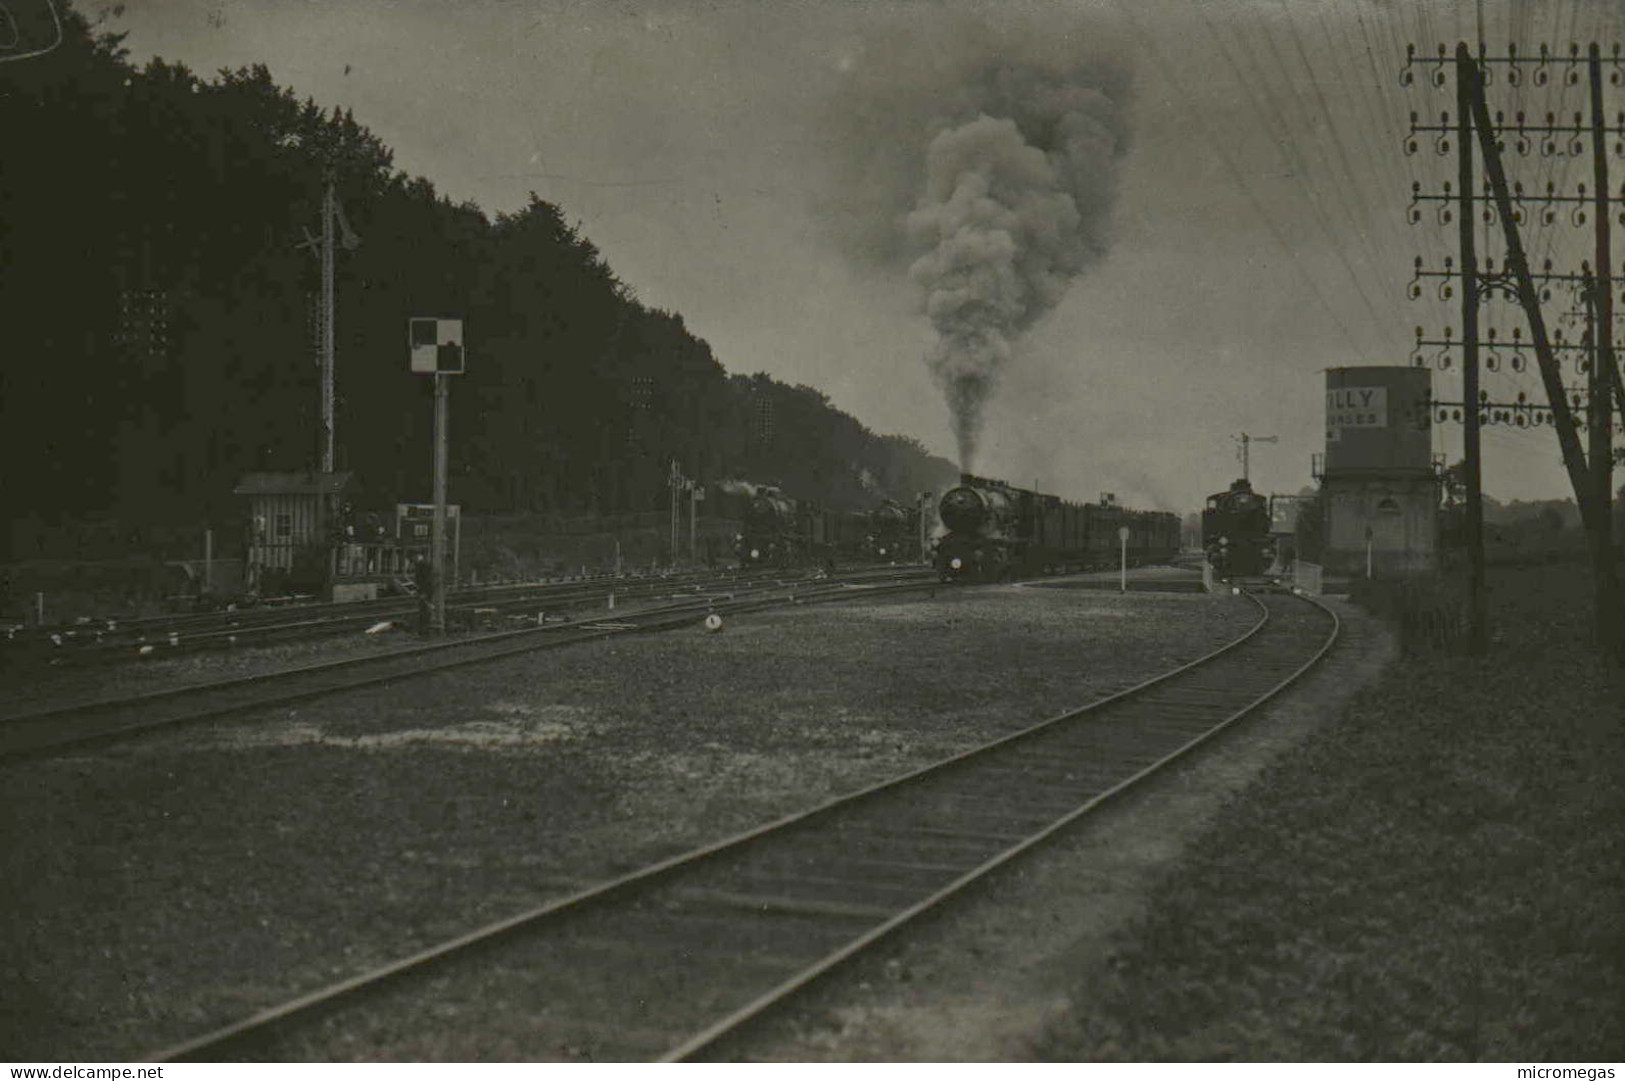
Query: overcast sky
column 748, row 164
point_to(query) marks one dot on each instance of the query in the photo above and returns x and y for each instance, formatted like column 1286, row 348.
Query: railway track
column 76, row 724
column 668, row 961
column 111, row 641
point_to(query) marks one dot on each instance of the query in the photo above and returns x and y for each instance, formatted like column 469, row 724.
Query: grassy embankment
column 1439, row 875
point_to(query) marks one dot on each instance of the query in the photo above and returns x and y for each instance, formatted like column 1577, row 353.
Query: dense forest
column 161, row 322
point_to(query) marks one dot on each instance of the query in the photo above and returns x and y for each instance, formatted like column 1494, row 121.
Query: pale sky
column 711, row 150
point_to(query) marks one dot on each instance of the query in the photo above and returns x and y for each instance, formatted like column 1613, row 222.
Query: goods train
column 996, row 530
column 1236, row 531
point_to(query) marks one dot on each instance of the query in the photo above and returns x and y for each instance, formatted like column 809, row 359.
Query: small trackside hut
column 305, row 534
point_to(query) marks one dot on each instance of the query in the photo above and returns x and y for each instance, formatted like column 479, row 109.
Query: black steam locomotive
column 894, row 533
column 1236, row 531
column 996, row 530
column 782, row 531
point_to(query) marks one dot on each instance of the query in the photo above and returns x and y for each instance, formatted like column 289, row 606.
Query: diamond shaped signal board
column 437, row 345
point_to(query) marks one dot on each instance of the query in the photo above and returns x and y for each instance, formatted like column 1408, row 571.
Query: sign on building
column 1355, row 407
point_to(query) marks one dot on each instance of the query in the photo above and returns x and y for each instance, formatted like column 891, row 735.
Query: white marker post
column 436, row 347
column 1122, row 541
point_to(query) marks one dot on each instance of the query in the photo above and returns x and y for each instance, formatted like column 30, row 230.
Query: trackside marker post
column 1122, row 574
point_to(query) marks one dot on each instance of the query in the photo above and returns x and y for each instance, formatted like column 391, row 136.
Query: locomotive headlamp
column 956, row 563
column 755, row 553
column 883, row 551
column 1224, row 541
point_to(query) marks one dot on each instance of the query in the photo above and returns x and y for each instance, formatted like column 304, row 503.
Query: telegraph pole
column 1602, row 368
column 1590, row 480
column 1466, row 79
column 329, row 199
column 335, row 230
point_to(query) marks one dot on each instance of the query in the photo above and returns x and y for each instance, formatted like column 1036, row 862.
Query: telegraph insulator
column 1574, row 58
column 1455, row 415
column 1405, row 76
column 1483, row 396
column 1438, row 73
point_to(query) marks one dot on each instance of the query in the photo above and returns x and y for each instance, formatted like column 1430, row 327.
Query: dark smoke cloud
column 982, row 156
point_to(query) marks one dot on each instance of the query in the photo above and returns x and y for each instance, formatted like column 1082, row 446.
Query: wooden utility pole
column 1466, row 81
column 1586, row 480
column 1602, row 368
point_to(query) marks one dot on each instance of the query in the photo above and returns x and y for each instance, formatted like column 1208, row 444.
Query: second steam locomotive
column 782, row 531
column 995, row 530
column 1236, row 531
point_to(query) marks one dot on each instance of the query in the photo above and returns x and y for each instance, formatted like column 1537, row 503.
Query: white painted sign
column 1356, row 407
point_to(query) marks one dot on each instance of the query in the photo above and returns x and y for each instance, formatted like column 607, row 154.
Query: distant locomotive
column 1236, row 531
column 782, row 531
column 996, row 530
column 894, row 533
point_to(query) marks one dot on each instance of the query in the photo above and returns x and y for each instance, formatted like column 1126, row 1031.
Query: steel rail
column 780, row 994
column 397, row 665
column 114, row 641
column 318, row 1001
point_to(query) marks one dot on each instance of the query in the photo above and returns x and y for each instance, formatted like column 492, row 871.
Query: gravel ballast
column 166, row 884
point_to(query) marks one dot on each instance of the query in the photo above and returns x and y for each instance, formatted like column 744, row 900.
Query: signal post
column 436, row 348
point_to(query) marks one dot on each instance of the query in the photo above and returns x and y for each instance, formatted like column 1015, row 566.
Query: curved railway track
column 667, row 961
column 75, row 724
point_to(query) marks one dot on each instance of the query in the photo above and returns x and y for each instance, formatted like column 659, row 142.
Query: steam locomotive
column 894, row 533
column 996, row 530
column 782, row 531
column 1236, row 531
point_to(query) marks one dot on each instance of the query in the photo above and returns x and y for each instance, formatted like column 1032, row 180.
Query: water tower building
column 1382, row 496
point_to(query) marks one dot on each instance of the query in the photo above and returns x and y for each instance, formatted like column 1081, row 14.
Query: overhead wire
column 1286, row 140
column 1306, row 276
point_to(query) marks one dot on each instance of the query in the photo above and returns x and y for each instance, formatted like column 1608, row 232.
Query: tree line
column 161, row 341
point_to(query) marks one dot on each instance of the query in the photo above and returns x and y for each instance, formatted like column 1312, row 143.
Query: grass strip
column 1440, row 875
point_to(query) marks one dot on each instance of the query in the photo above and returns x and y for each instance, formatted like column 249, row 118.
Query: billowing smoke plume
column 1004, row 137
column 1013, row 210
